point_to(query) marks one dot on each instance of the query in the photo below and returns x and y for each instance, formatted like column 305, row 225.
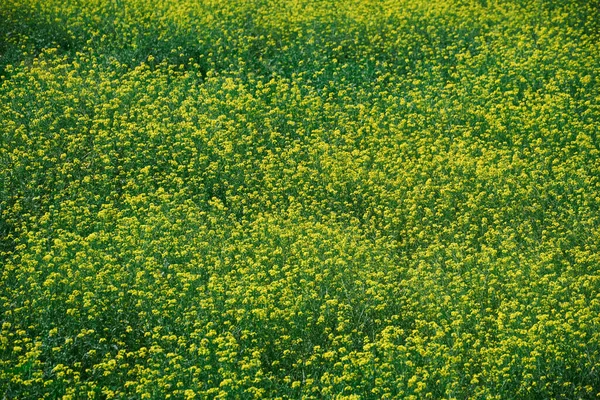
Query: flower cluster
column 299, row 199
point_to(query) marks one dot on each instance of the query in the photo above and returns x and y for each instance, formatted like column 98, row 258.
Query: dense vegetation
column 299, row 199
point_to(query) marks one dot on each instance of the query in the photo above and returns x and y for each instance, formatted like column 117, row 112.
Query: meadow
column 284, row 199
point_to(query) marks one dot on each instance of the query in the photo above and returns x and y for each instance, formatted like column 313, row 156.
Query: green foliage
column 350, row 199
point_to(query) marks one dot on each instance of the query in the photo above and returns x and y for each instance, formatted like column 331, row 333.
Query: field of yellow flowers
column 359, row 199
